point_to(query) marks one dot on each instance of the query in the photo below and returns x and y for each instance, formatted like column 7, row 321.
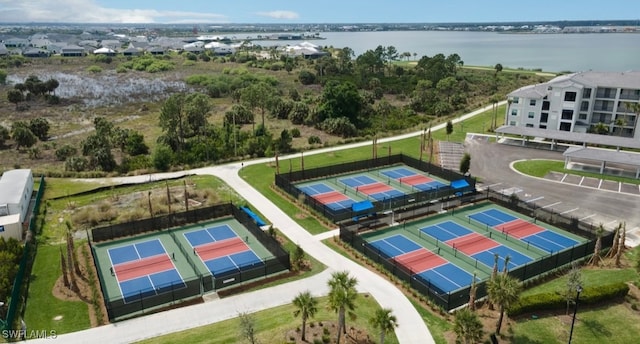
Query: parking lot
column 594, row 183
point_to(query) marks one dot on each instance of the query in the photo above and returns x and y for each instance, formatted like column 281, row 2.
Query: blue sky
column 313, row 11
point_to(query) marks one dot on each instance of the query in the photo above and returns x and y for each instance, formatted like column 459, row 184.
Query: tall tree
column 574, row 280
column 40, row 127
column 465, row 163
column 22, row 135
column 384, row 321
column 306, row 307
column 248, row 327
column 342, row 297
column 4, row 135
column 15, row 96
column 597, row 258
column 449, row 128
column 258, row 95
column 467, row 327
column 503, row 291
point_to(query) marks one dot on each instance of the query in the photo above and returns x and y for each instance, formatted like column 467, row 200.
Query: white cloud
column 279, row 14
column 88, row 11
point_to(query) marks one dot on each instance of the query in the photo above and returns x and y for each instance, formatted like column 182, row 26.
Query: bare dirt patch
column 327, row 332
column 85, row 292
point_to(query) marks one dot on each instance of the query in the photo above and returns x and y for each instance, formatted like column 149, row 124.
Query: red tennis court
column 330, row 197
column 472, row 243
column 520, row 228
column 416, row 179
column 371, row 189
column 221, row 248
column 420, row 260
column 143, row 267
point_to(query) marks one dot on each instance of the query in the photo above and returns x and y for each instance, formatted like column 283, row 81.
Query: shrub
column 306, row 77
column 94, row 69
column 295, row 132
column 76, row 163
column 552, row 300
column 65, row 152
column 314, row 140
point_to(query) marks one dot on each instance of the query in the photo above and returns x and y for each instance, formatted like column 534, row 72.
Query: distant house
column 156, row 51
column 16, row 188
column 3, row 50
column 35, row 52
column 132, row 51
column 89, row 43
column 72, row 50
column 112, row 44
column 16, row 42
column 306, row 50
column 220, row 48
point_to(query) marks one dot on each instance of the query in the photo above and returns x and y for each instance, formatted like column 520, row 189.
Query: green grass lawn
column 42, row 306
column 611, row 323
column 273, row 324
column 540, row 168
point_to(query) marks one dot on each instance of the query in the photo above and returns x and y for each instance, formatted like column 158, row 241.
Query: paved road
column 491, row 162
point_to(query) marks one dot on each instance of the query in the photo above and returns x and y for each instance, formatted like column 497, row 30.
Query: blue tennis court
column 315, row 189
column 398, row 173
column 208, row 235
column 245, row 259
column 492, row 217
column 232, row 263
column 546, row 239
column 389, row 194
column 357, row 181
column 447, row 230
column 346, row 204
column 549, row 241
column 144, row 269
column 433, row 185
column 395, row 245
column 516, row 258
column 446, row 278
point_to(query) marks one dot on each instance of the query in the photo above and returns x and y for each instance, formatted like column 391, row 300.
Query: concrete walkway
column 412, row 328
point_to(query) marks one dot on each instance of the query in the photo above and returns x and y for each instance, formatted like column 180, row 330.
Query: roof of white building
column 12, row 185
column 628, row 80
column 607, row 155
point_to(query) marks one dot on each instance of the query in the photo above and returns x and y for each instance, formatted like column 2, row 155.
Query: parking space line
column 586, row 217
column 550, row 205
column 563, row 177
column 600, row 184
column 496, row 184
column 534, row 199
column 568, row 211
column 610, row 223
column 619, row 186
column 581, row 180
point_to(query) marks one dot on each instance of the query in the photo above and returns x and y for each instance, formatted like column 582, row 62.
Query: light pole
column 575, row 310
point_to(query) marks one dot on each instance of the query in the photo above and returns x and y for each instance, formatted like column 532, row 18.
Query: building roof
column 569, row 136
column 12, row 185
column 606, row 155
column 629, row 80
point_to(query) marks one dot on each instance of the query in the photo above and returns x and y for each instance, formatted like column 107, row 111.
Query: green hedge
column 551, row 301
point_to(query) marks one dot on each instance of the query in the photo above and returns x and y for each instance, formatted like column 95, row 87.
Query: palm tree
column 468, row 327
column 596, row 258
column 342, row 296
column 620, row 123
column 503, row 291
column 306, row 307
column 472, row 293
column 383, row 320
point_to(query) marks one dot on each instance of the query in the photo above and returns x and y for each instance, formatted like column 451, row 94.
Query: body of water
column 550, row 52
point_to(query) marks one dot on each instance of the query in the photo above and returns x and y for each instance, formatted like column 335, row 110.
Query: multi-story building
column 594, row 102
